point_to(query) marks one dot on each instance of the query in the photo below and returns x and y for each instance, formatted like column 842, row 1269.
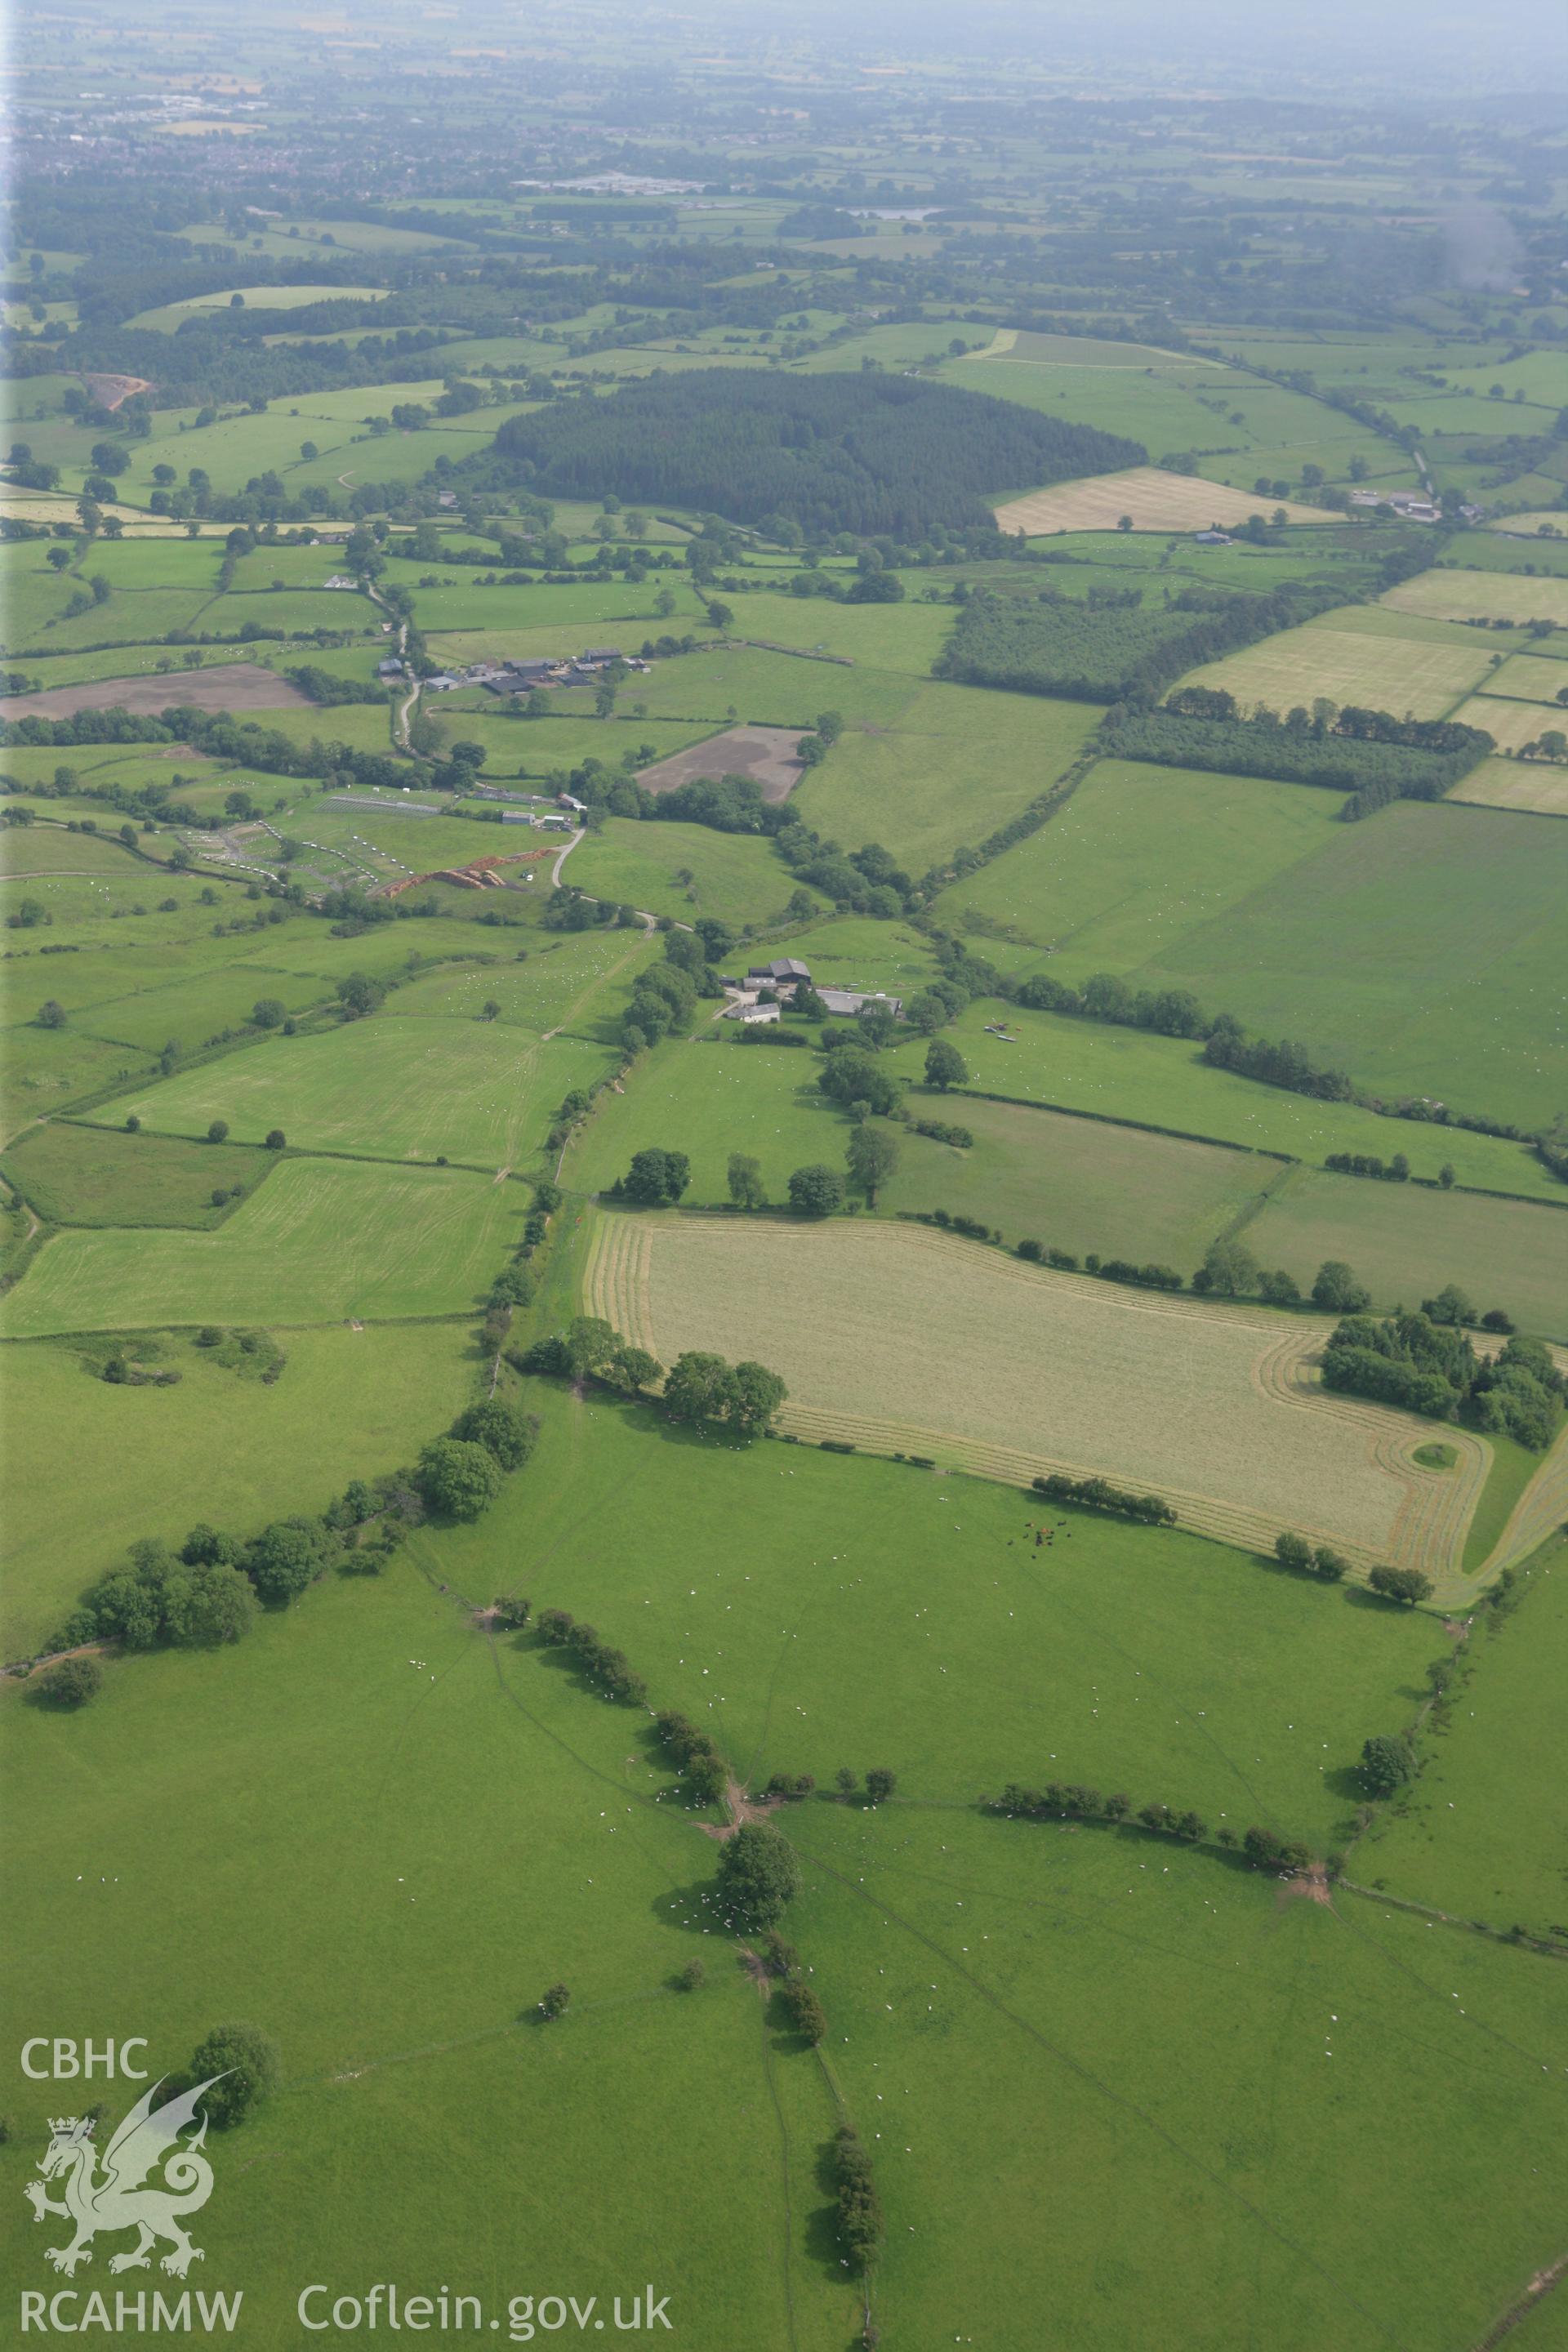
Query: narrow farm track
column 1540, row 1511
column 1429, row 1511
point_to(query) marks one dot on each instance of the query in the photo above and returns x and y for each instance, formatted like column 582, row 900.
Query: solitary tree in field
column 880, row 1786
column 1386, row 1764
column 744, row 1177
column 69, row 1684
column 758, row 1875
column 801, row 2010
column 275, row 1138
column 946, row 1066
column 52, row 1015
column 872, row 1156
column 459, row 1476
column 556, row 2002
column 218, row 1131
column 248, row 2065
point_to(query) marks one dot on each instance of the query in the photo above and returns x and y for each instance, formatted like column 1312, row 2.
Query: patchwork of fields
column 1152, row 2091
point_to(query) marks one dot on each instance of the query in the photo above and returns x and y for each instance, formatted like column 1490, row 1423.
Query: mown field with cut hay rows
column 899, row 1337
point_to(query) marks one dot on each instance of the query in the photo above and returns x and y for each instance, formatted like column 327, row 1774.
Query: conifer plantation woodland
column 783, row 1174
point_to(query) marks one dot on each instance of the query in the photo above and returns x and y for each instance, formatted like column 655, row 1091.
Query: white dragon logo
column 147, row 2137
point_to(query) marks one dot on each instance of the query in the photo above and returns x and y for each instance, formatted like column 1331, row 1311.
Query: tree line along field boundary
column 136, row 1331
column 1229, row 1143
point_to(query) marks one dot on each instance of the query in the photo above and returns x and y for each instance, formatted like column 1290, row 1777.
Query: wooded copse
column 1431, row 1368
column 1100, row 648
column 869, row 453
column 1369, row 753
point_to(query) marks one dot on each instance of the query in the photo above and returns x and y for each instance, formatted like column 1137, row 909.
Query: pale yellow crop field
column 1529, row 526
column 1464, row 596
column 899, row 1337
column 1530, row 785
column 1397, row 674
column 1155, row 501
column 1512, row 724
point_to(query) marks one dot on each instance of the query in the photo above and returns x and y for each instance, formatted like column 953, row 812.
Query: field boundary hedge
column 1139, row 1126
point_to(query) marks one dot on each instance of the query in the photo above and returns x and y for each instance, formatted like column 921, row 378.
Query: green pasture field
column 382, row 835
column 363, row 726
column 257, row 297
column 79, row 1175
column 1463, row 1838
column 392, row 950
column 294, row 609
column 1079, row 1184
column 354, row 1858
column 322, row 1240
column 126, row 914
column 193, row 1009
column 221, row 1445
column 1132, row 1075
column 543, row 639
column 1411, row 628
column 304, row 567
column 905, row 637
column 1420, row 950
column 709, row 1097
column 772, row 688
column 1454, row 595
column 131, row 617
column 960, row 763
column 466, row 604
column 50, row 849
column 1529, row 677
column 1349, row 666
column 478, row 1093
column 735, row 877
column 129, row 661
column 107, row 971
column 1499, row 550
column 1406, row 1241
column 808, row 1566
column 48, row 1070
column 532, row 750
column 1144, row 403
column 575, row 982
column 1139, row 858
column 1277, row 2044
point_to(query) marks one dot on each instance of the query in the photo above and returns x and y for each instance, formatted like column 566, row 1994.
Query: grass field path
column 1540, row 1511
